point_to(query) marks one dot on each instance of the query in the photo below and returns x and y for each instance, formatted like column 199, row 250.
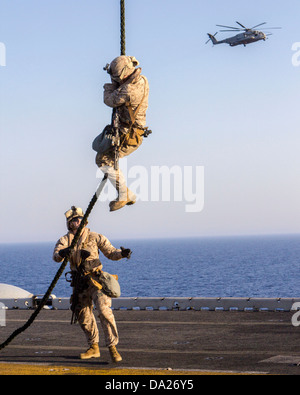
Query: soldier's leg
column 125, row 195
column 116, row 177
column 88, row 324
column 107, row 319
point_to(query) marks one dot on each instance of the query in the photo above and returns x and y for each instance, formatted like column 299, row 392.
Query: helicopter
column 248, row 37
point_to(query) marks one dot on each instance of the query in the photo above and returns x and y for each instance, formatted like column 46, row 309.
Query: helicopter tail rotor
column 212, row 38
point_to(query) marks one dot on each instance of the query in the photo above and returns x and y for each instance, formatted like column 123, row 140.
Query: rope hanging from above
column 122, row 6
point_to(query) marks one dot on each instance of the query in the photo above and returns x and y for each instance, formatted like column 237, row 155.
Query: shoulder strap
column 132, row 113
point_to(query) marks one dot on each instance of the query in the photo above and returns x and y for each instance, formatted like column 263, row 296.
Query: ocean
column 256, row 266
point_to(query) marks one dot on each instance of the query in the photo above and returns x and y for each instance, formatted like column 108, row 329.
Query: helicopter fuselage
column 243, row 38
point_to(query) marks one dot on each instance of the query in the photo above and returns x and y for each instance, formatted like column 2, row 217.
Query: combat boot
column 125, row 195
column 125, row 198
column 115, row 356
column 92, row 352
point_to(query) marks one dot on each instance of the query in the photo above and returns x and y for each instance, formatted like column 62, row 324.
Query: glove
column 64, row 252
column 132, row 77
column 84, row 254
column 126, row 252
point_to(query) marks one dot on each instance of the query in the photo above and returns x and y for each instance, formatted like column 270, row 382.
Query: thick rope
column 62, row 267
column 123, row 50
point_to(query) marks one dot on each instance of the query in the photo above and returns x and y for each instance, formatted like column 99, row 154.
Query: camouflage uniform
column 93, row 242
column 127, row 89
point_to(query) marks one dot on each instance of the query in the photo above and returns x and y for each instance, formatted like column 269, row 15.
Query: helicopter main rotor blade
column 241, row 25
column 230, row 27
column 267, row 28
column 264, row 23
column 238, row 30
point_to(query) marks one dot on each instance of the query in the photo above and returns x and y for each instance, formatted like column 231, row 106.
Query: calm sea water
column 260, row 266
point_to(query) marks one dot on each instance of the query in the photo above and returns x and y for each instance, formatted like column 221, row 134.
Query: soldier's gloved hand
column 64, row 252
column 132, row 77
column 126, row 252
column 84, row 254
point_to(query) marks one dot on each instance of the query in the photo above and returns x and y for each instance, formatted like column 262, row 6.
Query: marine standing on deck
column 128, row 95
column 85, row 263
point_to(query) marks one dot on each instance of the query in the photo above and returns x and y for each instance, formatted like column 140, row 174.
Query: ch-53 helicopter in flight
column 248, row 37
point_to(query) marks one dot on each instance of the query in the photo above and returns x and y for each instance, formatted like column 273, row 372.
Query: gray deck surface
column 197, row 340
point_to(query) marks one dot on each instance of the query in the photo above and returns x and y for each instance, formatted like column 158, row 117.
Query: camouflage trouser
column 87, row 319
column 106, row 163
column 107, row 159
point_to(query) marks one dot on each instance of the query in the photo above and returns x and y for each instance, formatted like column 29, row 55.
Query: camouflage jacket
column 93, row 242
column 131, row 93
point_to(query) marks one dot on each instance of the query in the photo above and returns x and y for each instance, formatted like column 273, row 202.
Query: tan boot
column 92, row 352
column 128, row 198
column 125, row 195
column 115, row 356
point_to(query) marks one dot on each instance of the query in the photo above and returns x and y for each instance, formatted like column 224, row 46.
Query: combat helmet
column 75, row 212
column 121, row 67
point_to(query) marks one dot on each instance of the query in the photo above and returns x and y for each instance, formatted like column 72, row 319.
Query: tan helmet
column 121, row 67
column 73, row 213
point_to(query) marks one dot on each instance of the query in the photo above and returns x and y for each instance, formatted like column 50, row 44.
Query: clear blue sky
column 234, row 111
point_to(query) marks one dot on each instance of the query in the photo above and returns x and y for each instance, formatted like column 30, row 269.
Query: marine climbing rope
column 122, row 6
column 91, row 205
